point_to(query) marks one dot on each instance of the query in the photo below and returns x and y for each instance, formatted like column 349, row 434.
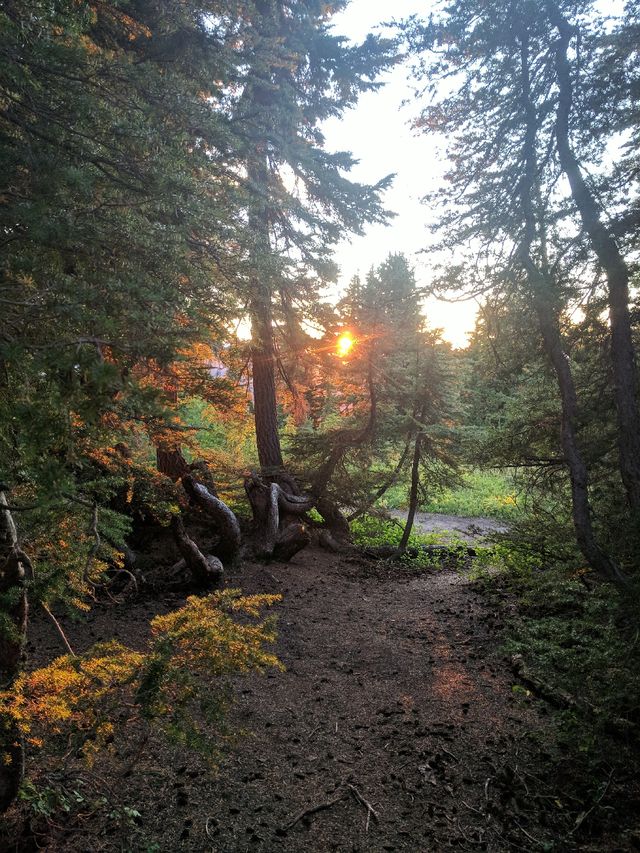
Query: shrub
column 177, row 685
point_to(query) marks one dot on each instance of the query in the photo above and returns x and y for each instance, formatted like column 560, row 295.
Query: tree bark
column 171, row 462
column 169, row 458
column 263, row 354
column 207, row 571
column 598, row 559
column 614, row 265
column 12, row 642
column 224, row 519
column 293, row 538
column 338, row 534
column 384, row 488
column 275, row 535
column 413, row 492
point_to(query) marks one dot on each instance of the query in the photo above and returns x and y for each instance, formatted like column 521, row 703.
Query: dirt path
column 393, row 687
column 394, row 695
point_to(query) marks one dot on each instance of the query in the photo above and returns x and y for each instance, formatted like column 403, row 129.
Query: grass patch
column 488, row 493
column 482, row 493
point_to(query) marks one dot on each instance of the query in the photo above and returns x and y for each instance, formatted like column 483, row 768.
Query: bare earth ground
column 394, row 728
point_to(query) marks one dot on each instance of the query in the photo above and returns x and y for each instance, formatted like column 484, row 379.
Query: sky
column 378, row 133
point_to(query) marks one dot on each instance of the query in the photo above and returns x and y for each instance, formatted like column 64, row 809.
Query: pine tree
column 503, row 213
column 121, row 222
column 395, row 394
column 298, row 74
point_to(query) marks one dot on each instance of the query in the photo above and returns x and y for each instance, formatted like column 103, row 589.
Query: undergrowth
column 83, row 707
column 577, row 642
column 371, row 531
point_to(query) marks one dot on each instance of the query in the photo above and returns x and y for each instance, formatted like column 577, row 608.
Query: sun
column 344, row 344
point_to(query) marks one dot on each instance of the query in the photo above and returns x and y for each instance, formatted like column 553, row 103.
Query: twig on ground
column 582, row 817
column 59, row 629
column 271, row 576
column 530, row 837
column 446, row 752
column 466, row 837
column 510, row 843
column 326, row 804
column 315, row 808
column 473, row 809
column 370, row 809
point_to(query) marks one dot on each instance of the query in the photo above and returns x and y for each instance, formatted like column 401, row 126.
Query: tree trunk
column 293, row 538
column 598, row 559
column 617, row 273
column 337, row 536
column 413, row 493
column 265, row 406
column 169, row 458
column 224, row 519
column 540, row 285
column 263, row 355
column 388, row 483
column 207, row 571
column 12, row 641
column 275, row 534
column 171, row 462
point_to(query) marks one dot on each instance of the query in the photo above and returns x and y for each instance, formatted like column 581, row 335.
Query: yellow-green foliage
column 177, row 684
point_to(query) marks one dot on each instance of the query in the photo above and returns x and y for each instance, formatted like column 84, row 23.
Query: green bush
column 483, row 493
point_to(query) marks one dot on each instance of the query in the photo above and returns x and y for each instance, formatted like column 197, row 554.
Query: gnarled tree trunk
column 207, row 571
column 278, row 531
column 224, row 518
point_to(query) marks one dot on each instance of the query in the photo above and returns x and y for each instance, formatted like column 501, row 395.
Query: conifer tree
column 503, row 212
column 298, row 74
column 394, row 390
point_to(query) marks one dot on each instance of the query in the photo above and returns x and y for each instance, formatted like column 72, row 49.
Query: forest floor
column 395, row 727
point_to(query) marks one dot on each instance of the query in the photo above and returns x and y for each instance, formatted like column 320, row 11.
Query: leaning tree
column 504, row 105
column 385, row 413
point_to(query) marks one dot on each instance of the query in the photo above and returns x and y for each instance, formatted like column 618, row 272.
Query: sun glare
column 345, row 342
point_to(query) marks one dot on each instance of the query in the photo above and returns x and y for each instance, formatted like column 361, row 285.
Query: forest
column 281, row 568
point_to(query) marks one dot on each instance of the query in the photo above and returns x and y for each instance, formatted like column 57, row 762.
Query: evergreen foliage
column 396, row 383
column 530, row 245
column 141, row 142
column 179, row 683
